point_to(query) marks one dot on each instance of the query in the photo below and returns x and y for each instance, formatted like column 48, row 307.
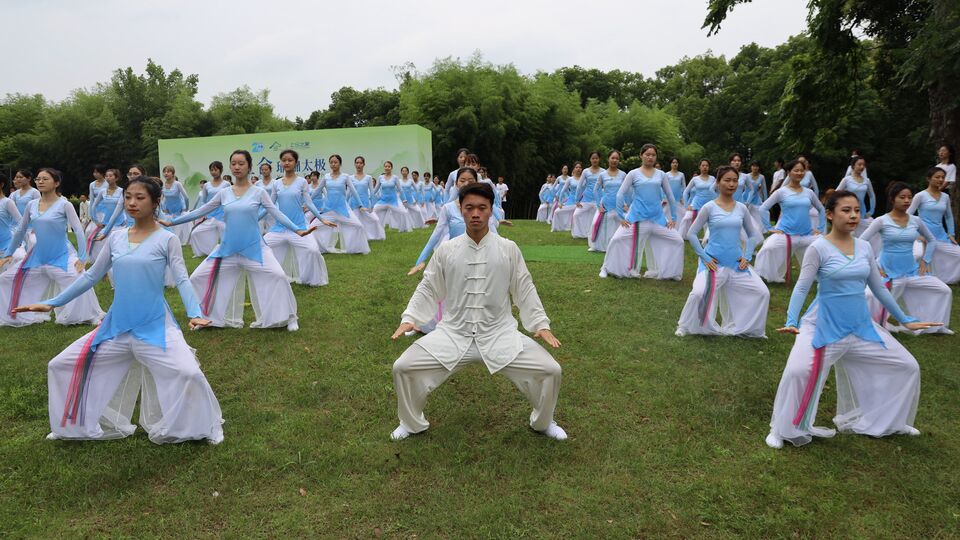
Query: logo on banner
column 257, row 147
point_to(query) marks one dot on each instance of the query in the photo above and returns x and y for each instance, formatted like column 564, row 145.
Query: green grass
column 666, row 432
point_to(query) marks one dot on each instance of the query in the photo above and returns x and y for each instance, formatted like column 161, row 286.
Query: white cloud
column 302, row 50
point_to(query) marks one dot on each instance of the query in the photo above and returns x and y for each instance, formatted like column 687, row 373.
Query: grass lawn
column 666, row 433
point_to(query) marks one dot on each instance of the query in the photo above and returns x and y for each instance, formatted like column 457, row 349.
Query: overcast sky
column 304, row 50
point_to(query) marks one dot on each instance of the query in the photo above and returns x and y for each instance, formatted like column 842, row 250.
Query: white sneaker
column 555, row 432
column 912, row 431
column 774, row 441
column 400, row 434
column 603, row 272
column 292, row 326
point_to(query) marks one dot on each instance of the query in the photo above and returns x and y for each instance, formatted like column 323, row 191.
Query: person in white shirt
column 503, row 188
column 84, row 210
column 476, row 275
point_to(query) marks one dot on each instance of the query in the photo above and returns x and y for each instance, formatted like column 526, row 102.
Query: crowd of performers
column 274, row 230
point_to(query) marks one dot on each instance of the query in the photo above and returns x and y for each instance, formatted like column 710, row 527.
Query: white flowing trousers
column 924, row 297
column 661, row 247
column 878, row 386
column 222, row 293
column 583, row 220
column 563, row 219
column 206, row 236
column 39, row 284
column 415, row 216
column 393, row 216
column 543, row 212
column 353, row 238
column 371, row 225
column 946, row 262
column 602, row 229
column 177, row 403
column 307, row 266
column 741, row 297
column 93, row 247
column 686, row 221
column 183, row 232
column 534, row 372
column 773, row 260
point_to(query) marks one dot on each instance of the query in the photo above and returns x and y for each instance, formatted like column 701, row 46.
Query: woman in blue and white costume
column 324, row 237
column 120, row 218
column 607, row 220
column 389, row 209
column 107, row 204
column 724, row 279
column 175, row 202
column 878, row 380
column 546, row 200
column 367, row 192
column 747, row 191
column 644, row 232
column 566, row 200
column 793, row 232
column 353, row 238
column 678, row 186
column 451, row 182
column 856, row 181
column 933, row 206
column 99, row 184
column 407, row 189
column 9, row 221
column 51, row 261
column 291, row 194
column 94, row 383
column 558, row 183
column 701, row 190
column 217, row 279
column 909, row 281
column 24, row 192
column 585, row 198
column 758, row 186
column 207, row 233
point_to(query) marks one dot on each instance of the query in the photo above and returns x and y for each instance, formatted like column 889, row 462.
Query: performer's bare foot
column 400, row 434
column 555, row 432
column 774, row 441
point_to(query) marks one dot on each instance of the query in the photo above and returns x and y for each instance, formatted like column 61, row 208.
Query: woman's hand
column 670, row 223
column 305, row 232
column 924, row 269
column 80, row 266
column 4, row 261
column 101, row 238
column 506, row 222
column 164, row 222
column 330, row 224
column 744, row 264
column 921, row 325
column 711, row 264
column 197, row 323
column 416, row 269
column 789, row 330
column 35, row 308
column 624, row 223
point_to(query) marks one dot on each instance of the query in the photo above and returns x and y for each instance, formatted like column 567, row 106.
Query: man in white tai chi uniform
column 475, row 275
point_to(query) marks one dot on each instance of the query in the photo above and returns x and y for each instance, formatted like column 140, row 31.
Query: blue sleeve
column 752, row 235
column 949, row 215
column 808, row 272
column 86, row 280
column 183, row 195
column 875, row 282
column 626, row 190
column 207, row 207
column 686, row 192
column 702, row 216
column 307, row 200
column 117, row 211
column 438, row 232
column 178, row 269
column 931, row 240
column 19, row 233
column 93, row 206
column 872, row 207
column 766, row 206
column 665, row 186
column 820, row 210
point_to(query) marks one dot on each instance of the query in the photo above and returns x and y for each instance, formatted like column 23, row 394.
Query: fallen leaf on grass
column 377, row 532
column 216, row 494
column 303, row 492
column 674, row 516
column 704, row 523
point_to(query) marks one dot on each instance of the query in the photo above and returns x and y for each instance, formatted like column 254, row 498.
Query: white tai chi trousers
column 741, row 297
column 878, row 386
column 222, row 296
column 177, row 402
column 661, row 247
column 353, row 238
column 772, row 262
column 307, row 266
column 417, row 373
column 183, row 232
column 602, row 229
column 946, row 262
column 583, row 219
column 206, row 236
column 543, row 212
column 925, row 297
column 416, row 216
column 562, row 218
column 393, row 216
column 371, row 224
column 44, row 282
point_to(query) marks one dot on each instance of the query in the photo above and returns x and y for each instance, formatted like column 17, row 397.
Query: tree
column 355, row 108
column 245, row 111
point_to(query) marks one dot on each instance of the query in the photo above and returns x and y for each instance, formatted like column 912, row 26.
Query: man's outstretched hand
column 547, row 336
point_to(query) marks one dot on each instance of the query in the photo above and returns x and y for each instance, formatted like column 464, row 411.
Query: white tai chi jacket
column 475, row 282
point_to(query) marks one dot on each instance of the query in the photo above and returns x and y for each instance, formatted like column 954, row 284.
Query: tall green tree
column 245, row 111
column 357, row 108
